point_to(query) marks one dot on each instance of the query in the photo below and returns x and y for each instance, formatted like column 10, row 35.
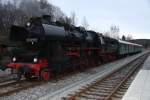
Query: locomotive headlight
column 28, row 24
column 35, row 60
column 14, row 59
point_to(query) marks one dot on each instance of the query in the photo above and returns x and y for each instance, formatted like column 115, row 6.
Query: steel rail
column 109, row 90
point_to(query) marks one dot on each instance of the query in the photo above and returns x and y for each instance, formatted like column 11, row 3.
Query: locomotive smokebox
column 18, row 33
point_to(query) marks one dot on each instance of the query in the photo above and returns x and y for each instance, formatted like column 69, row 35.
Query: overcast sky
column 132, row 16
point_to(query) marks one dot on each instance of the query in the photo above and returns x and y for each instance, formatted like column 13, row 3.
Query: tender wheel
column 45, row 74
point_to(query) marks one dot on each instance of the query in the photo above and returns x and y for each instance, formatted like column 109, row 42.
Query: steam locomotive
column 49, row 48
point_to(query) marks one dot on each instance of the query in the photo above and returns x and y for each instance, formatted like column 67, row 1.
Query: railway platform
column 140, row 87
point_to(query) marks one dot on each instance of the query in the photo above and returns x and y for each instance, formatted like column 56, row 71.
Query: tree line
column 19, row 11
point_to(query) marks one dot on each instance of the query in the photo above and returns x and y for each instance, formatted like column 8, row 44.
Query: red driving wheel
column 45, row 75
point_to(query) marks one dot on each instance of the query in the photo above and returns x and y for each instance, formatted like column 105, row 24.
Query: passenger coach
column 128, row 48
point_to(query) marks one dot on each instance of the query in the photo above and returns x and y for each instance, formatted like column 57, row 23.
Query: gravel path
column 53, row 87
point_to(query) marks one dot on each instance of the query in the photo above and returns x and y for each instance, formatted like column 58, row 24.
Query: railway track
column 11, row 87
column 5, row 79
column 111, row 87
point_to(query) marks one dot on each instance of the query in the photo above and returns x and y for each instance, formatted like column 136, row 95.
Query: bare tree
column 114, row 30
column 58, row 14
column 129, row 37
column 107, row 34
column 73, row 18
column 85, row 23
column 43, row 4
column 30, row 7
column 7, row 18
column 19, row 11
column 68, row 20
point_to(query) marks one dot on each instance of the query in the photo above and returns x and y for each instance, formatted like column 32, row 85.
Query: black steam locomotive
column 50, row 48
